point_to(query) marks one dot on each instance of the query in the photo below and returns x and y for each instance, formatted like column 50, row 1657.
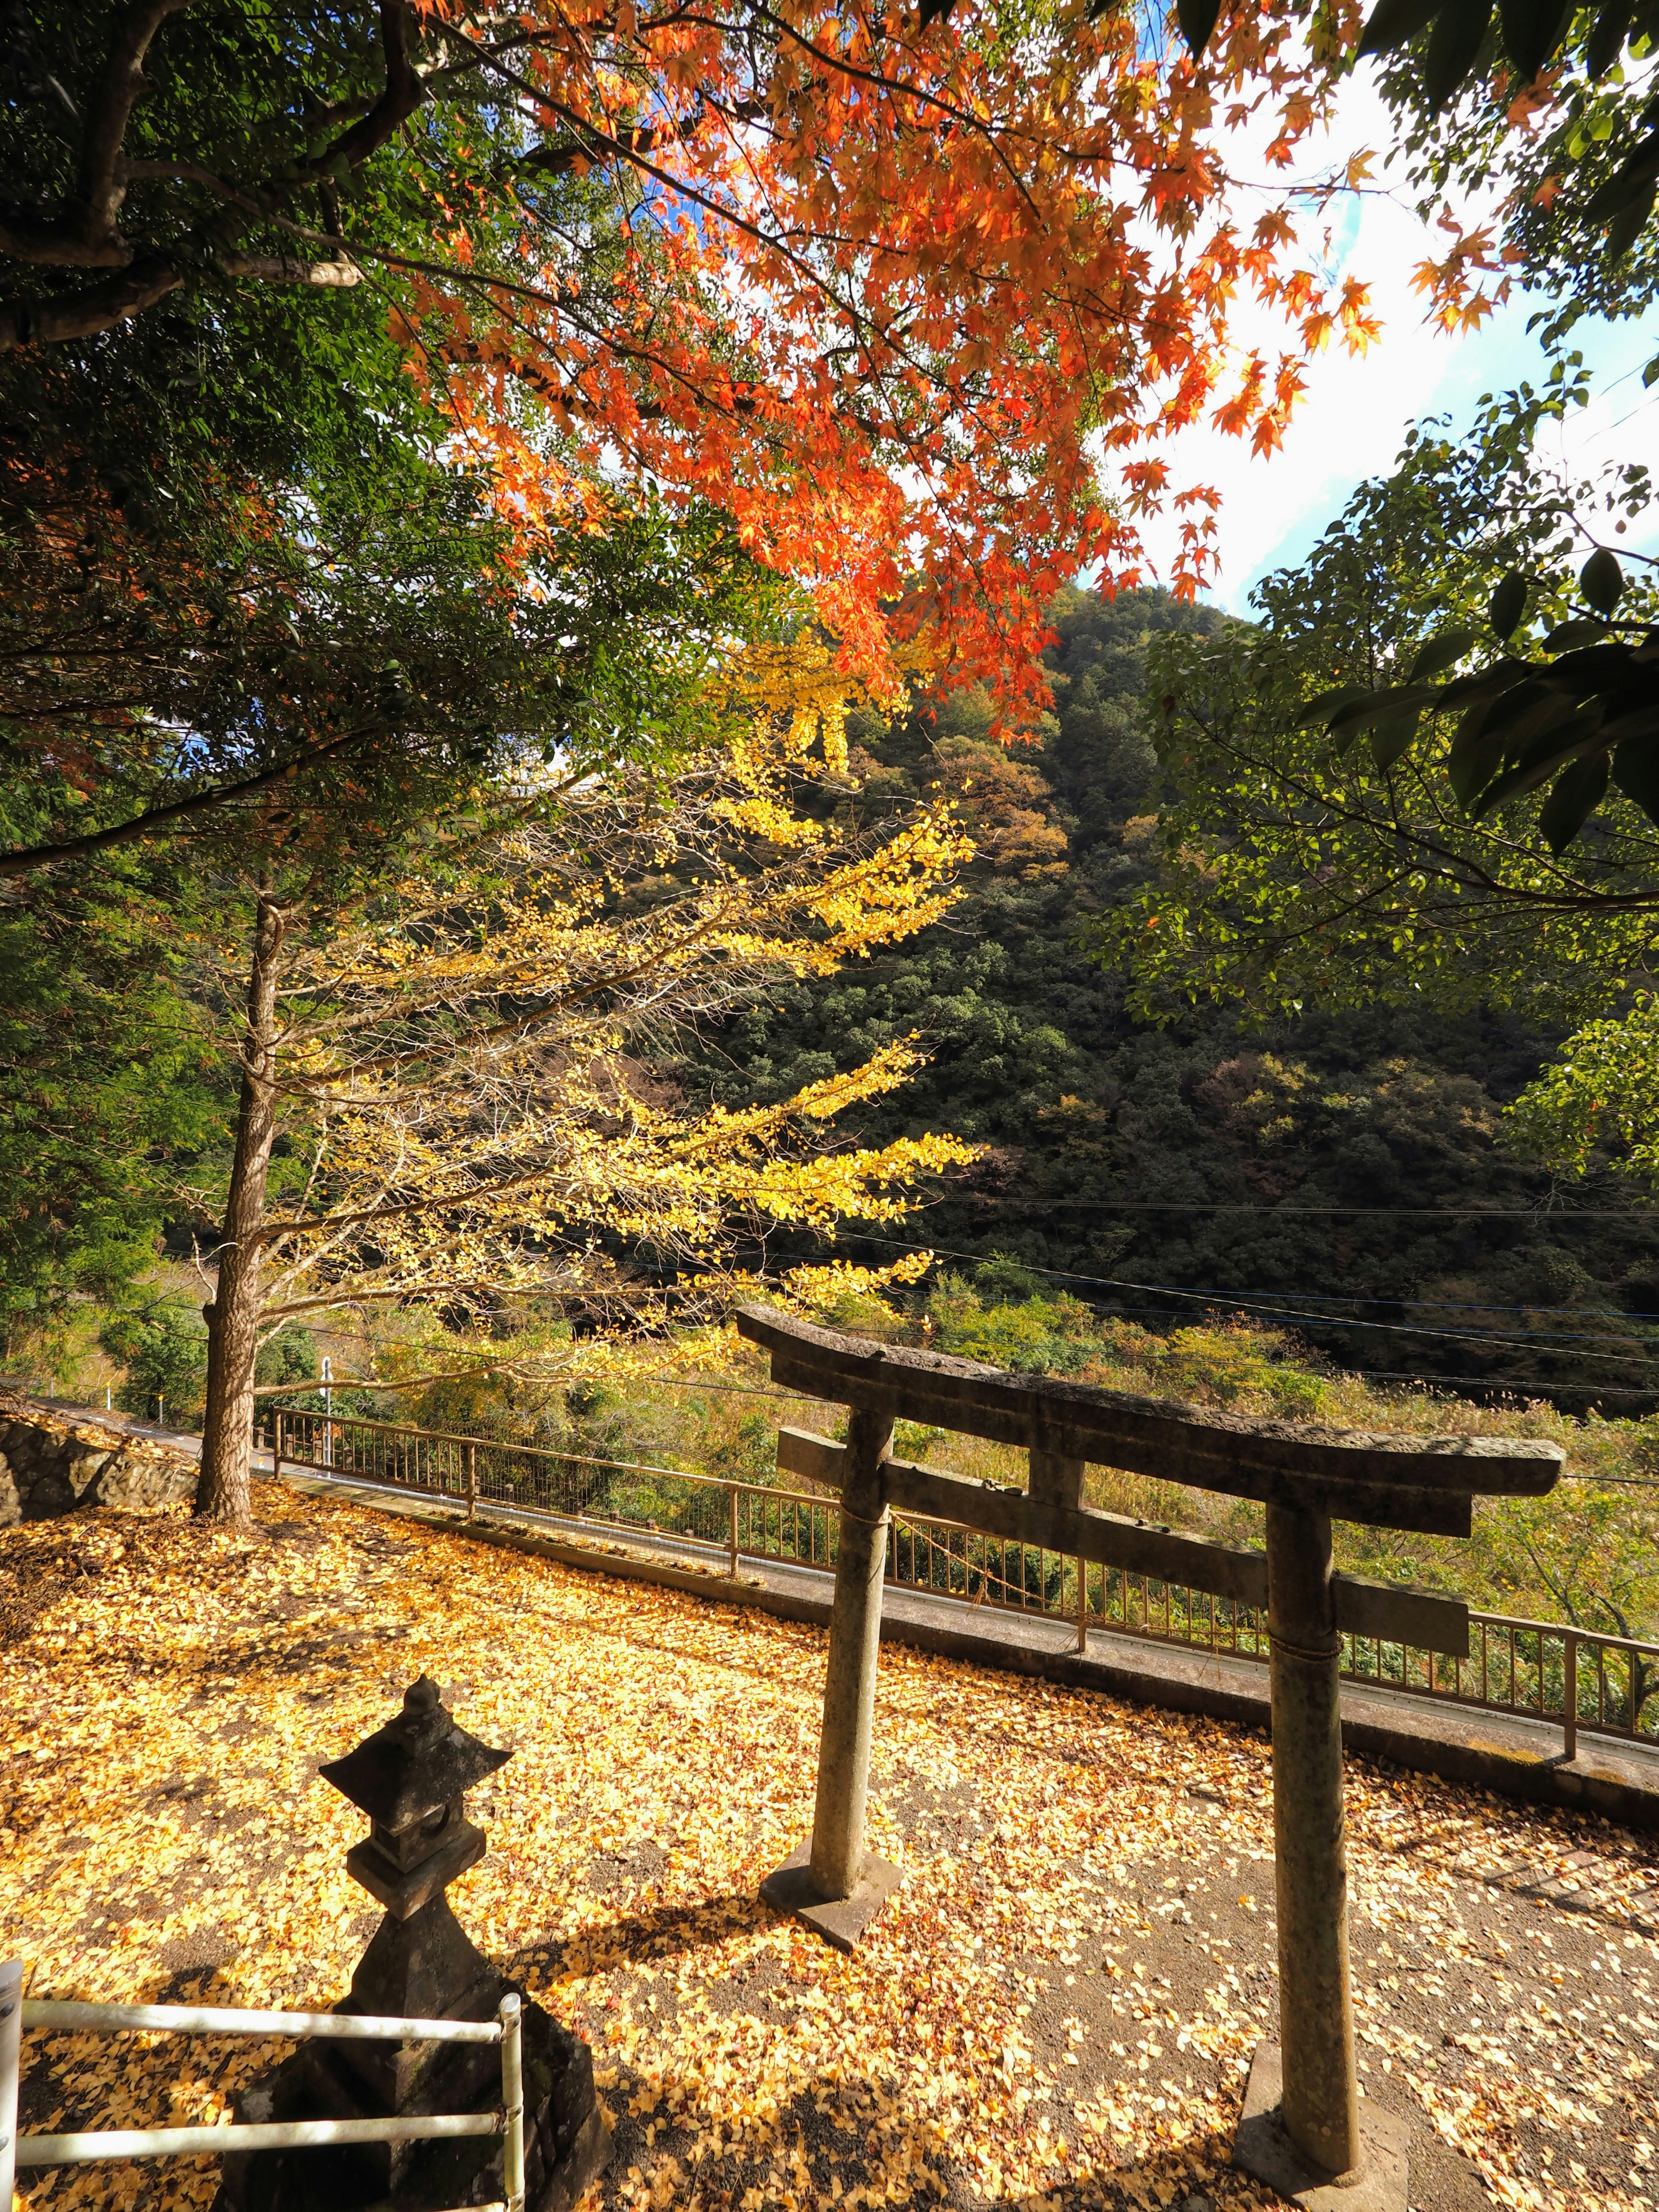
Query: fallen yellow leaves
column 1056, row 2009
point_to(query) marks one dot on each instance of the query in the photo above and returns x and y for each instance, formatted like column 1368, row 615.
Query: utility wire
column 1249, row 1301
column 1361, row 1298
column 1279, row 1212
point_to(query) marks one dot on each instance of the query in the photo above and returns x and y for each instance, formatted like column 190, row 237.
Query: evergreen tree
column 1338, row 1164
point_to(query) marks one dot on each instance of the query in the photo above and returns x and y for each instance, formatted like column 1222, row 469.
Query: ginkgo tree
column 444, row 1097
column 886, row 287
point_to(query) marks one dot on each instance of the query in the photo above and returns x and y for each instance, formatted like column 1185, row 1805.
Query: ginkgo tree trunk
column 233, row 1313
column 444, row 1096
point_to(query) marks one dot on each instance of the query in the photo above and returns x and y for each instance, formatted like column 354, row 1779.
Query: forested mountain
column 1341, row 1169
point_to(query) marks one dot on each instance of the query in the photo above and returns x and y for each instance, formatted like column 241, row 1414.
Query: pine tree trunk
column 224, row 1491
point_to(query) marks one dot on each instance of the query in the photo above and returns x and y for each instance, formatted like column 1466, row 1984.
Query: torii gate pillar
column 832, row 1883
column 1304, row 2129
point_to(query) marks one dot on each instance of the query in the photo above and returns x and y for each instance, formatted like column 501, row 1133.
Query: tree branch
column 84, row 315
column 103, row 181
column 52, row 247
column 282, row 269
column 405, row 91
column 23, row 861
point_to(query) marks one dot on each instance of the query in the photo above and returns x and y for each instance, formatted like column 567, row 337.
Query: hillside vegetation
column 1345, row 1175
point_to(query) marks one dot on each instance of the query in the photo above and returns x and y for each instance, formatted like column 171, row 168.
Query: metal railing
column 1570, row 1678
column 81, row 2149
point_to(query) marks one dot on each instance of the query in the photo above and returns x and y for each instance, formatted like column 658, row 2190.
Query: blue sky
column 1355, row 412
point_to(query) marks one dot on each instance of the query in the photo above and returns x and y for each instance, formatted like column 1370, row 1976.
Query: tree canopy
column 1530, row 137
column 1330, row 838
column 882, row 287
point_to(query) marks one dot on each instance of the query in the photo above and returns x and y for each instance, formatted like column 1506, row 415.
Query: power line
column 1345, row 1298
column 1249, row 1301
column 1279, row 1213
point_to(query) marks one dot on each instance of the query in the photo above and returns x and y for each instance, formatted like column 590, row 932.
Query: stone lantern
column 411, row 1777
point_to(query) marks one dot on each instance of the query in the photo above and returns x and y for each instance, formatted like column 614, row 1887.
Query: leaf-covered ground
column 1056, row 2010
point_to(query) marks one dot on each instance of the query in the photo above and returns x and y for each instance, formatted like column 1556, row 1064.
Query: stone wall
column 51, row 1464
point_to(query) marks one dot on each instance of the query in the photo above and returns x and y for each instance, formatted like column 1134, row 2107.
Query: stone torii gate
column 1304, row 2130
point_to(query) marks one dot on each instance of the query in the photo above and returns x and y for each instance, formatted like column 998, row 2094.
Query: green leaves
column 1458, row 39
column 1392, row 738
column 1640, row 166
column 1508, row 603
column 1557, row 742
column 1197, row 19
column 1579, row 790
column 1393, row 23
column 1532, row 29
column 1320, row 712
column 1475, row 759
column 1522, row 721
column 1438, row 653
column 1567, row 635
column 1485, row 684
column 1394, row 711
column 1459, row 29
column 1603, row 581
column 1607, row 40
column 1629, row 223
column 1626, row 200
column 1635, row 772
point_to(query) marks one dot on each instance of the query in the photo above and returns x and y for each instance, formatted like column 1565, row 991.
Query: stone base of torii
column 1306, row 2129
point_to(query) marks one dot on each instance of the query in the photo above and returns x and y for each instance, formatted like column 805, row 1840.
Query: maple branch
column 23, row 860
column 959, row 116
column 558, row 160
column 670, row 183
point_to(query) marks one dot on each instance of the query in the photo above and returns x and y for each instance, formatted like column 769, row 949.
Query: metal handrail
column 82, row 2147
column 495, row 1443
column 1577, row 1687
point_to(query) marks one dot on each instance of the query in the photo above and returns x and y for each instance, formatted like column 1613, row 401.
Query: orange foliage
column 890, row 295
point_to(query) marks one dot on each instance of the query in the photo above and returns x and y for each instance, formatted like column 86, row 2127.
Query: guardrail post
column 833, row 1884
column 1571, row 1718
column 276, row 1443
column 11, row 2037
column 1083, row 1607
column 472, row 1482
column 512, row 2100
column 731, row 1501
